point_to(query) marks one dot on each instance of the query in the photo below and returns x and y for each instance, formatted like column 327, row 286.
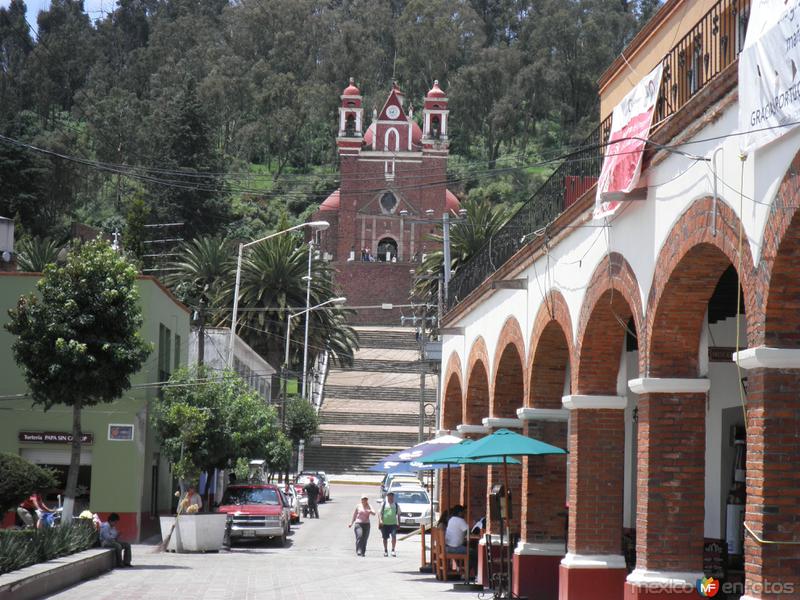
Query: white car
column 392, row 478
column 414, row 504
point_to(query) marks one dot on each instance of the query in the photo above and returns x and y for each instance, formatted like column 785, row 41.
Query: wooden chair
column 445, row 559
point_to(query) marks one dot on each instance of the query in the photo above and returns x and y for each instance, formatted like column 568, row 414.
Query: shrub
column 20, row 478
column 22, row 548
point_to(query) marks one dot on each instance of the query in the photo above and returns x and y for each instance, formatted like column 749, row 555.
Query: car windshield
column 251, row 496
column 409, row 497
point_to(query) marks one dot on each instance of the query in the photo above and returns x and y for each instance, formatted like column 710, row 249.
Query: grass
column 23, row 548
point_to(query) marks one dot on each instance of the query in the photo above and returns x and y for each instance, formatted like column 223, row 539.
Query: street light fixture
column 289, row 318
column 315, row 225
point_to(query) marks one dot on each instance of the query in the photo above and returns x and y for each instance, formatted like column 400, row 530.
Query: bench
column 443, row 559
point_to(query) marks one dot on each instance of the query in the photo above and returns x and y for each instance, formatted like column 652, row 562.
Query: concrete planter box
column 195, row 533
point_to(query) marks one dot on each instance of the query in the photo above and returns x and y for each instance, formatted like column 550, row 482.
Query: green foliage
column 279, row 453
column 34, row 254
column 78, row 340
column 302, row 420
column 19, row 479
column 22, row 548
column 134, row 234
column 208, row 420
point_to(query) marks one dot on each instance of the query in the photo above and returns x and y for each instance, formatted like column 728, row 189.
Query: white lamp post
column 316, row 225
column 289, row 318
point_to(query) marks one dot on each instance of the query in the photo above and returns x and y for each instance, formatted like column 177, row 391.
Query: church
column 391, row 198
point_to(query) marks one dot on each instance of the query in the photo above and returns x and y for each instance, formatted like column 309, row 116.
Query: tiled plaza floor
column 319, row 564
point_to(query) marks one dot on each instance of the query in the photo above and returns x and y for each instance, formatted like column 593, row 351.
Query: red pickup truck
column 257, row 510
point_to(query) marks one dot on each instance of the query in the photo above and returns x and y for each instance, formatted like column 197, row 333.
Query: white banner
column 769, row 77
column 630, row 128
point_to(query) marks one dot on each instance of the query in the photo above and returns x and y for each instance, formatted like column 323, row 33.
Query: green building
column 122, row 470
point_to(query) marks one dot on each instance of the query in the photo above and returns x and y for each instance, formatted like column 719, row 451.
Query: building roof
column 331, row 202
column 451, row 201
column 436, row 91
column 351, row 90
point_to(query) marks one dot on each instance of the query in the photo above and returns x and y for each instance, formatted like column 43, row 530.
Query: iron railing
column 703, row 53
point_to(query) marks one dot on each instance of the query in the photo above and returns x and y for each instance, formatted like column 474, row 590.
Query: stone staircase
column 372, row 409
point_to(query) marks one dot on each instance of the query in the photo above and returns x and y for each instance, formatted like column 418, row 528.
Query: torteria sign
column 769, row 73
column 630, row 126
column 53, row 437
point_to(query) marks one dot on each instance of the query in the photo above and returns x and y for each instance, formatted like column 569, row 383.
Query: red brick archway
column 476, row 401
column 671, row 435
column 773, row 440
column 551, row 349
column 453, row 398
column 508, row 381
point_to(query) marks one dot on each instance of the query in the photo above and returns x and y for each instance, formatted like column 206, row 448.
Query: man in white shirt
column 456, row 533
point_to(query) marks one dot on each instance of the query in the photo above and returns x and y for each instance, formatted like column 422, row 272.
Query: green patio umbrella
column 454, row 455
column 505, row 443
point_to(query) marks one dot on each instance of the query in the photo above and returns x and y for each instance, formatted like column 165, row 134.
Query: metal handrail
column 701, row 55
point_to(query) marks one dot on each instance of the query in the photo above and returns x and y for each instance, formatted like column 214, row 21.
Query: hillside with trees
column 222, row 115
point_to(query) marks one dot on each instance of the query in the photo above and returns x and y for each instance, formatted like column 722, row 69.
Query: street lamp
column 289, row 318
column 315, row 225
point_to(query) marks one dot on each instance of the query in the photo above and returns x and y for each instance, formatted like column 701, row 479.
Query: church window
column 350, row 125
column 387, row 250
column 388, row 203
column 435, row 127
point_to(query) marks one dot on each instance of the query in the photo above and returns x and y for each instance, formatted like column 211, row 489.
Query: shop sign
column 120, row 433
column 53, row 437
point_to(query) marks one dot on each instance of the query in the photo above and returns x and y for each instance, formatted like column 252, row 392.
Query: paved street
column 319, row 564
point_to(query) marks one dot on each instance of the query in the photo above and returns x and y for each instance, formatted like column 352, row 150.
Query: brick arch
column 612, row 298
column 551, row 349
column 453, row 399
column 476, row 399
column 508, row 374
column 778, row 291
column 688, row 266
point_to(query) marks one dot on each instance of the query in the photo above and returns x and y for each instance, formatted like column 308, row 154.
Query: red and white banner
column 630, row 127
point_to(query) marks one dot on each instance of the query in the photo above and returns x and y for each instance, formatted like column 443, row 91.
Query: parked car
column 304, row 478
column 294, row 503
column 415, row 506
column 256, row 510
column 322, row 482
column 390, row 477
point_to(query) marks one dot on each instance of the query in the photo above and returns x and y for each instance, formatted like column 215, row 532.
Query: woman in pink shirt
column 361, row 519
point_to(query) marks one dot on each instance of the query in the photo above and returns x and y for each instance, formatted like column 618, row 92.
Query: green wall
column 121, row 470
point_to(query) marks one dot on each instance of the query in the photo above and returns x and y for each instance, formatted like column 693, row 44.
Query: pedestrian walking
column 387, row 523
column 361, row 516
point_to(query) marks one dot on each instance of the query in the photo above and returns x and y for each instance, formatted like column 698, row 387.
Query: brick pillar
column 594, row 566
column 543, row 513
column 671, row 490
column 450, row 495
column 772, row 571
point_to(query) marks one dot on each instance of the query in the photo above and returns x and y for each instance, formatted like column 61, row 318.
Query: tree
column 78, row 341
column 467, row 237
column 207, row 420
column 302, row 420
column 19, row 479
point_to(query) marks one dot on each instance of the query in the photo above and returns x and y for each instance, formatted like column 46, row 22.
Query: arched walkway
column 476, row 407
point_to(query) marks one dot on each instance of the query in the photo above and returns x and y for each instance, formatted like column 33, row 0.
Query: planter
column 195, row 533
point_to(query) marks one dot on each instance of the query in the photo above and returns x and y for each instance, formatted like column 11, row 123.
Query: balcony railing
column 703, row 53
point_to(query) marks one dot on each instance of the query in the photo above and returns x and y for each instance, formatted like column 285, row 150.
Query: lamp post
column 289, row 318
column 316, row 225
column 308, row 301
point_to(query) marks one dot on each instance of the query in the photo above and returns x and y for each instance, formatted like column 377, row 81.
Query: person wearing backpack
column 388, row 521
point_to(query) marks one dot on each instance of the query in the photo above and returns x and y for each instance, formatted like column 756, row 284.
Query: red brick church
column 391, row 198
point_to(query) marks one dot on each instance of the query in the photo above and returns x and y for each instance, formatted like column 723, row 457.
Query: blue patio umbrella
column 408, row 460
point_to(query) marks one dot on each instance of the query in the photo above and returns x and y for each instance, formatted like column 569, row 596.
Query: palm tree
column 467, row 236
column 272, row 284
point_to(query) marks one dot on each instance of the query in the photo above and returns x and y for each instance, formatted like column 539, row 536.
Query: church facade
column 391, row 199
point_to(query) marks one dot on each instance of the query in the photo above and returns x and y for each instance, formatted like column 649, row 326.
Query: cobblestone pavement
column 319, row 563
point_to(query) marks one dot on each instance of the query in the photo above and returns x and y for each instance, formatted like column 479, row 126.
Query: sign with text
column 769, row 91
column 120, row 432
column 630, row 128
column 53, row 437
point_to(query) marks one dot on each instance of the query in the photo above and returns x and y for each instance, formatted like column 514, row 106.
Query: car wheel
column 282, row 539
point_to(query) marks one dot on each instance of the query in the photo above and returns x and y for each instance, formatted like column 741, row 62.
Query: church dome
column 436, row 91
column 332, row 202
column 351, row 90
column 451, row 202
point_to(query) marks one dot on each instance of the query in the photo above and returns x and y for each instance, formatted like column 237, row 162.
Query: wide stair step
column 397, row 439
column 401, row 340
column 343, row 459
column 345, row 418
column 352, row 392
column 387, row 366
